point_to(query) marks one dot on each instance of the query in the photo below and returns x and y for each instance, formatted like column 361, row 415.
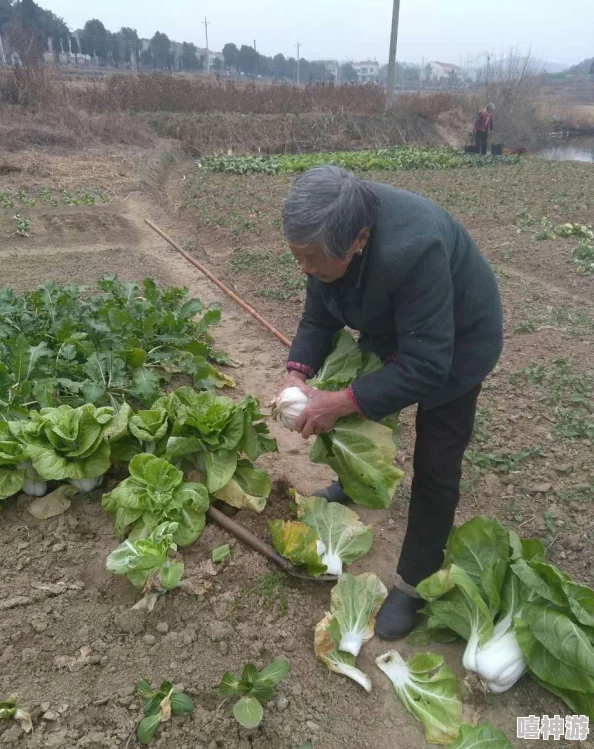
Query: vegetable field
column 89, row 643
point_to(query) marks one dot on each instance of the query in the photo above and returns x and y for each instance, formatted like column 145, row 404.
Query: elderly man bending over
column 401, row 271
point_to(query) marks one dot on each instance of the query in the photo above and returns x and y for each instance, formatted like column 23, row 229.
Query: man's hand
column 294, row 379
column 323, row 411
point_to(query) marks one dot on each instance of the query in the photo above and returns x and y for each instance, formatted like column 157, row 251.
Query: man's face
column 313, row 261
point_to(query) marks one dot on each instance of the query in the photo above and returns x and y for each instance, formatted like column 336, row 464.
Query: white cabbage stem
column 86, row 485
column 289, row 406
column 351, row 642
column 500, row 662
column 33, row 484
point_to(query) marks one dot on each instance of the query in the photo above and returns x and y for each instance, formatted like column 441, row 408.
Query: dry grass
column 577, row 117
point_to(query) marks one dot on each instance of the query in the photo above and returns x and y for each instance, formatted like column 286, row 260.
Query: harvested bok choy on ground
column 430, row 691
column 517, row 612
column 327, row 536
column 360, row 452
column 481, row 737
column 9, row 710
column 339, row 637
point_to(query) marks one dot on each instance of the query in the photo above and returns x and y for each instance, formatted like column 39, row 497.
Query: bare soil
column 69, row 644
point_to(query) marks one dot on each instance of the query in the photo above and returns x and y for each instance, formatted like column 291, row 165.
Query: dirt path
column 75, row 653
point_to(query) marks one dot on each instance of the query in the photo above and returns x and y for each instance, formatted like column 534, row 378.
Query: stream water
column 579, row 148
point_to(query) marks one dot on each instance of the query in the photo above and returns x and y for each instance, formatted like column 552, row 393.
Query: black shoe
column 397, row 616
column 333, row 493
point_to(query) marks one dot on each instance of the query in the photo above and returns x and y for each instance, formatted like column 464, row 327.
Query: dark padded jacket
column 422, row 297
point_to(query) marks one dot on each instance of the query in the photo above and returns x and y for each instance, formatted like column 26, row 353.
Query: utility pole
column 256, row 58
column 298, row 49
column 422, row 73
column 391, row 92
column 206, row 23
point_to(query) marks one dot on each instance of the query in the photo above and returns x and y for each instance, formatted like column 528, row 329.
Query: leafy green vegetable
column 159, row 706
column 58, row 346
column 146, row 562
column 10, row 709
column 298, row 543
column 481, row 737
column 428, row 690
column 343, row 536
column 327, row 639
column 254, row 688
column 360, row 452
column 65, row 442
column 221, row 553
column 153, row 494
column 392, row 159
column 542, row 621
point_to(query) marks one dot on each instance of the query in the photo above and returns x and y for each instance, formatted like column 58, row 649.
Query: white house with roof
column 442, row 71
column 367, row 70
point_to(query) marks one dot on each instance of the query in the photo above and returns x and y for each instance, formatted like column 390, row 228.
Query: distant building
column 442, row 71
column 332, row 66
column 367, row 70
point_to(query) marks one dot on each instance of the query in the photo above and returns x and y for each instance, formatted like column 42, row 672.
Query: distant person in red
column 483, row 126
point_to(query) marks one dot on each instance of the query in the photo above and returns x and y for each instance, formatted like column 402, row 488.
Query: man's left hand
column 323, row 411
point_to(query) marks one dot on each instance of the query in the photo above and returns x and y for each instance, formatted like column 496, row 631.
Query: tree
column 278, row 66
column 130, row 45
column 160, row 49
column 230, row 55
column 95, row 40
column 74, row 48
column 189, row 56
column 217, row 64
column 348, row 72
column 247, row 60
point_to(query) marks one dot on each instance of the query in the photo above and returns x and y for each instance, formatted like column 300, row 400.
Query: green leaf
column 581, row 602
column 547, row 666
column 580, row 703
column 219, row 467
column 249, row 674
column 145, row 690
column 429, row 691
column 248, row 488
column 229, row 684
column 298, row 543
column 145, row 385
column 190, row 308
column 181, row 703
column 562, row 637
column 221, row 553
column 361, row 453
column 542, row 579
column 171, row 573
column 344, row 536
column 481, row 548
column 149, row 426
column 341, row 366
column 356, row 599
column 147, row 727
column 481, row 737
column 274, row 673
column 248, row 712
column 11, row 481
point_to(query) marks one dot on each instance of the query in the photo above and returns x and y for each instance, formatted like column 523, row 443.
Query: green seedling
column 86, row 198
column 46, row 194
column 23, row 225
column 5, row 200
column 103, row 197
column 25, row 198
column 254, row 688
column 68, row 197
column 221, row 553
column 159, row 706
column 9, row 709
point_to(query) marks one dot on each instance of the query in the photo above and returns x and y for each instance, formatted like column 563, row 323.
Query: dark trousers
column 443, row 434
column 481, row 141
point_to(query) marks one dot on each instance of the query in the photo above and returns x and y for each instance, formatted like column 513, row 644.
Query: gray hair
column 328, row 206
column 490, row 107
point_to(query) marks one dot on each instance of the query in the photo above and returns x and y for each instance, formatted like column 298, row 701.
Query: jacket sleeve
column 315, row 334
column 424, row 318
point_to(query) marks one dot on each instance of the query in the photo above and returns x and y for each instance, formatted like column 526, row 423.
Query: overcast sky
column 444, row 30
